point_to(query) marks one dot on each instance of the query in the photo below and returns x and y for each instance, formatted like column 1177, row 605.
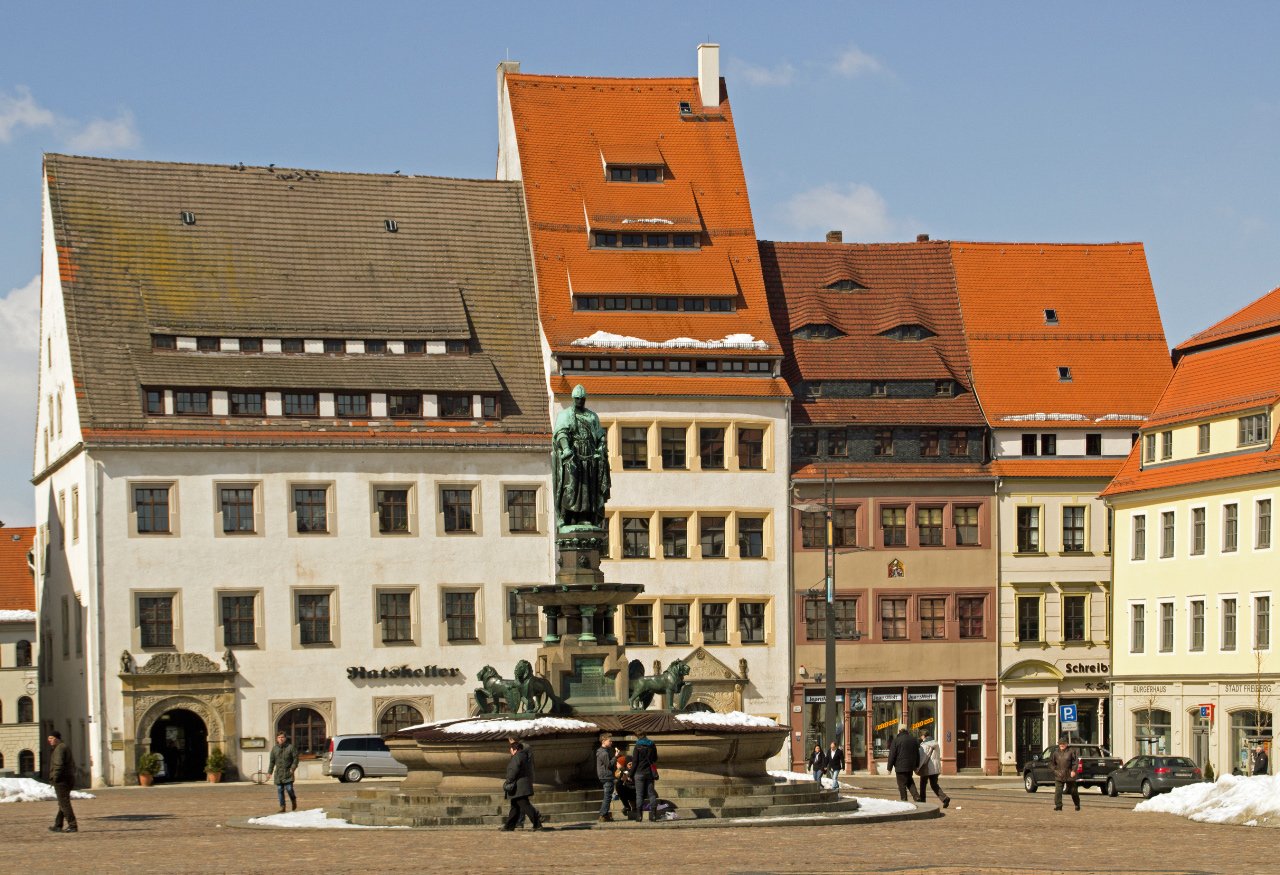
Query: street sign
column 1070, row 726
column 1066, row 714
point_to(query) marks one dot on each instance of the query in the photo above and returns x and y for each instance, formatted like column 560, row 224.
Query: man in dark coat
column 519, row 787
column 835, row 764
column 282, row 765
column 1062, row 762
column 62, row 775
column 645, row 756
column 1259, row 760
column 904, row 756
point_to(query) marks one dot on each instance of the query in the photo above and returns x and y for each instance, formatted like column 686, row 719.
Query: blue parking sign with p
column 1067, row 713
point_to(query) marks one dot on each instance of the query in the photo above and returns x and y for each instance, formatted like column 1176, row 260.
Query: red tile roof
column 1094, row 468
column 1108, row 329
column 1134, row 478
column 566, row 129
column 1262, row 315
column 900, row 284
column 677, row 386
column 17, row 585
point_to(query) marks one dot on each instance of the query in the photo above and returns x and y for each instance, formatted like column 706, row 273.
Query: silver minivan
column 352, row 757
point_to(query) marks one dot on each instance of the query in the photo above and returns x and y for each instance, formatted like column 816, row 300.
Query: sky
column 1081, row 122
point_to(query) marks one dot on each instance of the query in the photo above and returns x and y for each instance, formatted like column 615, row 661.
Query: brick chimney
column 709, row 74
column 835, row 236
column 922, row 238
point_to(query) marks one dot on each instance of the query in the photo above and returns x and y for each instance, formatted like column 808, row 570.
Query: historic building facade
column 1196, row 563
column 651, row 297
column 1068, row 357
column 20, row 739
column 889, row 441
column 292, row 459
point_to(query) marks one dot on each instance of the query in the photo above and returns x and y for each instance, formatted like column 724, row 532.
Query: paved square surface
column 992, row 829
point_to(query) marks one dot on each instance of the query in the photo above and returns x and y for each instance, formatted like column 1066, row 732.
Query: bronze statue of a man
column 581, row 470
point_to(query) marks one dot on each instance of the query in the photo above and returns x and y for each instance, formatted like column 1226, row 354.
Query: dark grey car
column 1153, row 774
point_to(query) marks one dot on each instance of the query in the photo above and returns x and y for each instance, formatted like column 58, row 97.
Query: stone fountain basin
column 581, row 594
column 565, row 759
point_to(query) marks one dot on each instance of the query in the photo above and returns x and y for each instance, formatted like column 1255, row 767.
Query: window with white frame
column 1166, row 627
column 1197, row 531
column 1137, row 628
column 1254, row 429
column 1166, row 534
column 1262, row 524
column 1196, row 619
column 1262, row 622
column 1229, row 624
column 1139, row 537
column 1230, row 527
column 1073, row 529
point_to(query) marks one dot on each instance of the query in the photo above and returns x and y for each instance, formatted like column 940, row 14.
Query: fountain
column 580, row 685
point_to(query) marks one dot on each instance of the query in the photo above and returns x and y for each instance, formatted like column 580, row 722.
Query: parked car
column 352, row 757
column 1150, row 775
column 1096, row 763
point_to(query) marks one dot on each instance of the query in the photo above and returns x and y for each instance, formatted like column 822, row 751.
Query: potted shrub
column 148, row 766
column 215, row 765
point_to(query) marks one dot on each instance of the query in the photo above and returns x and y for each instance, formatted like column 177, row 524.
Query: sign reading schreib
column 1086, row 668
column 359, row 672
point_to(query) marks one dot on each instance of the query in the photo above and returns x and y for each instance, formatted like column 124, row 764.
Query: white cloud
column 19, row 361
column 106, row 135
column 857, row 210
column 752, row 74
column 20, row 319
column 20, row 110
column 855, row 62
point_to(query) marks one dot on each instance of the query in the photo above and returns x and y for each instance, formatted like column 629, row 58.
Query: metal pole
column 829, row 555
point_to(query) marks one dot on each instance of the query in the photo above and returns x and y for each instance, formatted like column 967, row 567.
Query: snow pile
column 17, row 616
column 733, row 718
column 647, row 222
column 1247, row 801
column 518, row 727
column 607, row 340
column 28, row 790
column 313, row 818
column 867, row 805
column 1122, row 417
column 1044, row 417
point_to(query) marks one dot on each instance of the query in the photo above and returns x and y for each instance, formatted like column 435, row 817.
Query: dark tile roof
column 291, row 253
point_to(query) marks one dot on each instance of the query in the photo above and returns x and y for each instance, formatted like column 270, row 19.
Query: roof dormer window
column 1064, row 374
column 817, row 331
column 846, row 285
column 1050, row 316
column 909, row 332
column 641, row 173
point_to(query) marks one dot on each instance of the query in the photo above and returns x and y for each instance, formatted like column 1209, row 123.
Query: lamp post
column 829, row 569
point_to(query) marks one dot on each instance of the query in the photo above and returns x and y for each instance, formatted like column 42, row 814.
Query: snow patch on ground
column 1235, row 799
column 805, row 776
column 17, row 616
column 518, row 727
column 313, row 818
column 608, row 340
column 868, row 805
column 29, row 790
column 733, row 718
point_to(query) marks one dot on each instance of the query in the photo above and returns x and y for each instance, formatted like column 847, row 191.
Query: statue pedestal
column 589, row 675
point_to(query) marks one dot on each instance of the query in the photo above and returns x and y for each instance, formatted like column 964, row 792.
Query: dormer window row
column 312, row 404
column 634, row 173
column 846, row 285
column 661, row 304
column 672, row 365
column 817, row 331
column 908, row 332
column 637, row 240
column 301, row 346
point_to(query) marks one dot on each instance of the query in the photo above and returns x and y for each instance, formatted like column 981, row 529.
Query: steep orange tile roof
column 677, row 386
column 1134, row 478
column 1093, row 468
column 898, row 284
column 894, row 471
column 17, row 585
column 1108, row 329
column 566, row 129
column 1260, row 316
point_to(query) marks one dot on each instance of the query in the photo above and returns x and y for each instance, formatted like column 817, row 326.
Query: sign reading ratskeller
column 359, row 672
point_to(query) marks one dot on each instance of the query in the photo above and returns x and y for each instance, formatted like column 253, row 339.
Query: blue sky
column 1089, row 121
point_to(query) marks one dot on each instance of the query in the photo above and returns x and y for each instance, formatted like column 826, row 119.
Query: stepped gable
column 1104, row 326
column 569, row 130
column 1231, row 368
column 286, row 253
column 863, row 290
column 17, row 584
column 1260, row 317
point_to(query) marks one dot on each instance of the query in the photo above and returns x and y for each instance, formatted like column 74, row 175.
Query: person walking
column 604, row 773
column 62, row 775
column 1259, row 760
column 817, row 763
column 904, row 757
column 645, row 757
column 931, row 767
column 282, row 765
column 835, row 764
column 519, row 787
column 1063, row 762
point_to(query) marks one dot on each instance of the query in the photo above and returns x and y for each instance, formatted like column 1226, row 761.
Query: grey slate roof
column 291, row 253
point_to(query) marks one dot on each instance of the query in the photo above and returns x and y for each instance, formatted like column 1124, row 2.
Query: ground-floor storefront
column 1223, row 723
column 1033, row 691
column 961, row 714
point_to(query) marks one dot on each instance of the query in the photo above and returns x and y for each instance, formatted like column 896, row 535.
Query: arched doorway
column 182, row 739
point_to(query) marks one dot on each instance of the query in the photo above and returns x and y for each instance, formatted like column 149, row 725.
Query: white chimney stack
column 709, row 74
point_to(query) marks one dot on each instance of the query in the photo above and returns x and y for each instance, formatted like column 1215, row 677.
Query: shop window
column 1251, row 732
column 306, row 729
column 1152, row 731
column 397, row 717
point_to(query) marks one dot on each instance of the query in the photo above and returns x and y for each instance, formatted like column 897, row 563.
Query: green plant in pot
column 215, row 765
column 148, row 767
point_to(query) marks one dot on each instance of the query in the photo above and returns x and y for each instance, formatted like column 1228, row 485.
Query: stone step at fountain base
column 387, row 807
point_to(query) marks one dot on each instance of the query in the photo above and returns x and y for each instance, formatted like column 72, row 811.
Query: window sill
column 1076, row 553
column 1021, row 553
column 463, row 641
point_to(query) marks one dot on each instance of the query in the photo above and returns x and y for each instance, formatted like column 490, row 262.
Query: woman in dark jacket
column 817, row 763
column 519, row 787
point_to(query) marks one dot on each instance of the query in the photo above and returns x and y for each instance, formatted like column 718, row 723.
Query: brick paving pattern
column 988, row 829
